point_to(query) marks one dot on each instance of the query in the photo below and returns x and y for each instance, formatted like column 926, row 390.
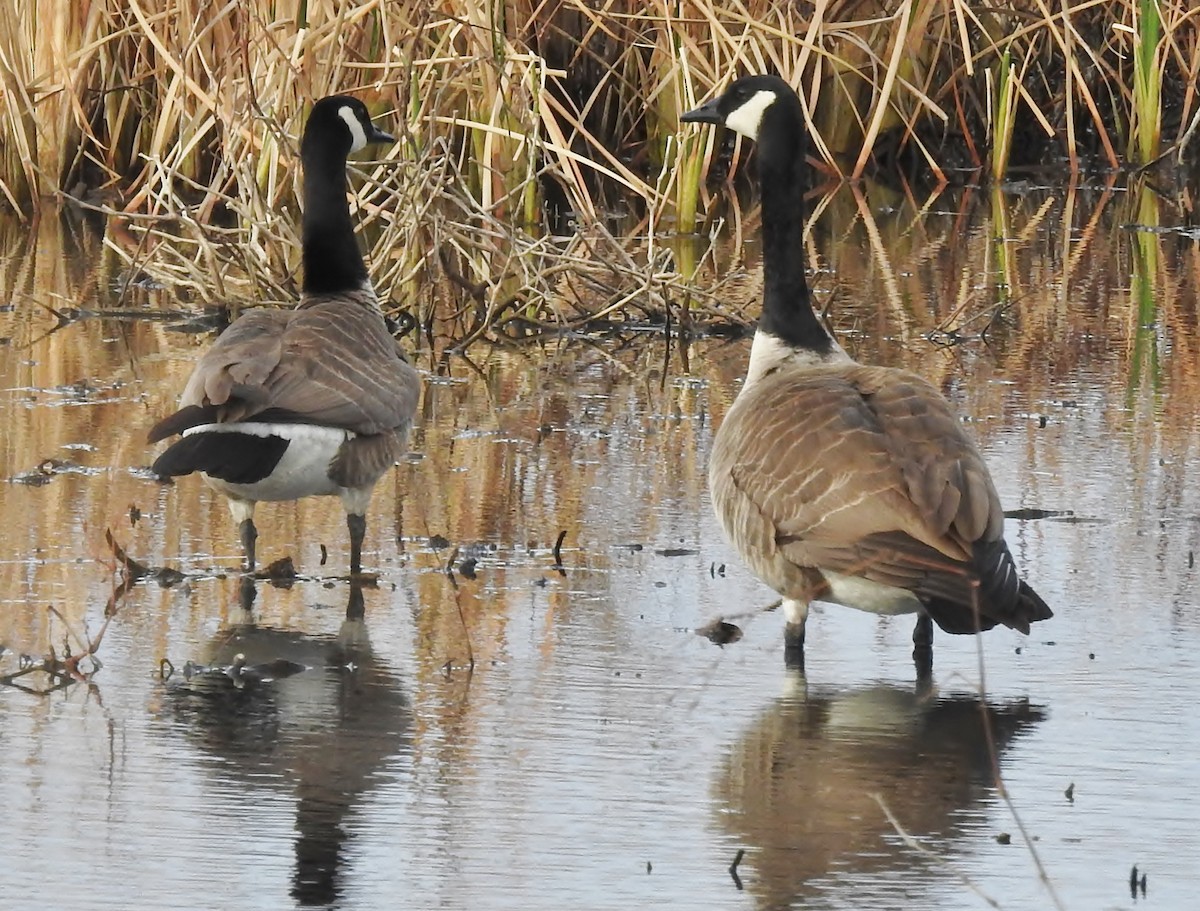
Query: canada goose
column 316, row 718
column 799, row 788
column 837, row 481
column 315, row 401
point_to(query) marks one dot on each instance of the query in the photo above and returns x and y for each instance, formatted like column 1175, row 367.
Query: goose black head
column 767, row 110
column 341, row 124
column 751, row 105
column 337, row 126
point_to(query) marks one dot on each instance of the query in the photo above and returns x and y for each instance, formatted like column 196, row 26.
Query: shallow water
column 601, row 754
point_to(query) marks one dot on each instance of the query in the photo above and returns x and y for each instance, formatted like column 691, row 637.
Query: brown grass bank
column 129, row 93
column 522, row 120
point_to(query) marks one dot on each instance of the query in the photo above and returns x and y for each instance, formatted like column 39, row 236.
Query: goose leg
column 795, row 616
column 355, row 606
column 923, row 645
column 357, row 524
column 246, row 592
column 249, row 534
column 243, row 514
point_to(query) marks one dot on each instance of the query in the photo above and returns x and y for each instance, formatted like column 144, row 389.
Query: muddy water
column 601, row 754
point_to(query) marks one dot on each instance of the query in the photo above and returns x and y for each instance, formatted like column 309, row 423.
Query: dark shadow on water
column 797, row 790
column 315, row 715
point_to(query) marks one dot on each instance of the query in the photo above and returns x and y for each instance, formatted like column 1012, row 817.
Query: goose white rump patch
column 303, row 471
column 851, row 591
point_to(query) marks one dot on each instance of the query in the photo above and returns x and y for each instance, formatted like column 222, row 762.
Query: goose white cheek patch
column 747, row 117
column 358, row 135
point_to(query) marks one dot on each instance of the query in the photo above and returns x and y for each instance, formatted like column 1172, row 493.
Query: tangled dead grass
column 527, row 124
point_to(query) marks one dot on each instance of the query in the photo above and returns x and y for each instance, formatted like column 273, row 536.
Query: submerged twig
column 132, row 569
column 89, row 645
column 733, row 868
column 558, row 562
column 925, row 852
column 995, row 759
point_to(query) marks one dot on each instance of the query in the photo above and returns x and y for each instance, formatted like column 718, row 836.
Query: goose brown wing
column 330, row 364
column 865, row 471
column 231, row 374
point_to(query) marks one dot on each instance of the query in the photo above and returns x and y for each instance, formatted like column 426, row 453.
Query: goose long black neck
column 332, row 260
column 787, row 303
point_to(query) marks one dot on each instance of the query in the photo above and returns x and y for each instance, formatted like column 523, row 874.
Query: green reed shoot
column 1003, row 114
column 1147, row 83
column 1143, row 290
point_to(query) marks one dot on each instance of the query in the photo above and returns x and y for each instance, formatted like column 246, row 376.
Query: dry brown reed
column 526, row 123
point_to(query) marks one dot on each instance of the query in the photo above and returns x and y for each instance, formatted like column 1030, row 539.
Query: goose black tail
column 238, row 458
column 1003, row 593
column 1030, row 605
column 1001, row 596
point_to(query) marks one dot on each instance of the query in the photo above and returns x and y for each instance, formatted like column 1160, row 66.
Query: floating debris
column 238, row 673
column 721, row 632
column 47, row 469
column 558, row 563
column 1034, row 513
column 1136, row 884
column 281, row 570
column 733, row 868
column 1069, row 793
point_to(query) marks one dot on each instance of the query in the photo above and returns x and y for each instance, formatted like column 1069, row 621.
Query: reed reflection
column 317, row 715
column 797, row 790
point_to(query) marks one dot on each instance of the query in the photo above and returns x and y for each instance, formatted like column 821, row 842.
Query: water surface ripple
column 331, row 747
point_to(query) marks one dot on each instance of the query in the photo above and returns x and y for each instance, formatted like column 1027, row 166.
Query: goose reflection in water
column 797, row 790
column 317, row 715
